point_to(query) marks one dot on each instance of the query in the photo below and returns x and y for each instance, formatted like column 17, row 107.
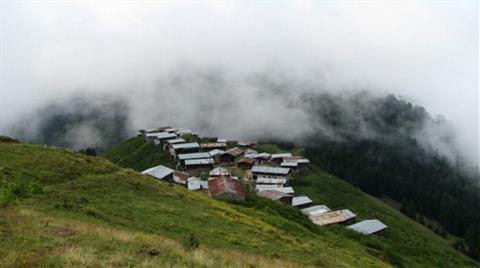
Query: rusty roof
column 225, row 184
column 247, row 160
column 180, row 177
column 235, row 151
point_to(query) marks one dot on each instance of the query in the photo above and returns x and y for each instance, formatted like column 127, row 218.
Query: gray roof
column 301, row 200
column 282, row 155
column 266, row 180
column 173, row 141
column 202, row 161
column 272, row 194
column 161, row 135
column 368, row 226
column 216, row 152
column 289, row 164
column 275, row 187
column 158, row 172
column 315, row 210
column 193, row 156
column 185, row 145
column 270, row 170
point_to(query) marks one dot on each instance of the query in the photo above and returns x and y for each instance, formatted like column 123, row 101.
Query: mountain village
column 227, row 168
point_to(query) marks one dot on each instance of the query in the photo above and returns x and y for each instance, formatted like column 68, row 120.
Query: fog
column 239, row 70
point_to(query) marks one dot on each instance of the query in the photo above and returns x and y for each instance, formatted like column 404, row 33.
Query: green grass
column 137, row 154
column 406, row 242
column 67, row 209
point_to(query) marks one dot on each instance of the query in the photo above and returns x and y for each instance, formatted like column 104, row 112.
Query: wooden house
column 225, row 187
column 245, row 163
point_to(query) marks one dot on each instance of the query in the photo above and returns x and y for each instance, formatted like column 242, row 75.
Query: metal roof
column 332, row 217
column 266, row 180
column 282, row 155
column 197, row 162
column 270, row 170
column 219, row 171
column 193, row 156
column 272, row 194
column 225, row 185
column 368, row 226
column 301, row 200
column 173, row 141
column 180, row 177
column 263, row 155
column 297, row 160
column 185, row 145
column 275, row 187
column 213, row 145
column 216, row 152
column 158, row 172
column 289, row 164
column 161, row 135
column 235, row 151
column 315, row 210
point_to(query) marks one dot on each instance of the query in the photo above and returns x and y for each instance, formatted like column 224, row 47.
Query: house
column 276, row 196
column 183, row 148
column 247, row 144
column 230, row 155
column 219, row 171
column 315, row 210
column 215, row 153
column 278, row 158
column 197, row 166
column 369, row 227
column 274, row 187
column 301, row 201
column 169, row 143
column 207, row 147
column 222, row 140
column 180, row 177
column 290, row 165
column 171, row 130
column 195, row 183
column 344, row 216
column 267, row 171
column 225, row 187
column 245, row 163
column 182, row 157
column 160, row 172
column 159, row 137
column 262, row 158
column 302, row 163
column 153, row 130
column 182, row 131
column 270, row 181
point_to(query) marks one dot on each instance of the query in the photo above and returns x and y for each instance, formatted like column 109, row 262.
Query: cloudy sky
column 425, row 51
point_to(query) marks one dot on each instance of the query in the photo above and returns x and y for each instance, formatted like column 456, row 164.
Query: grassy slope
column 406, row 242
column 137, row 154
column 76, row 210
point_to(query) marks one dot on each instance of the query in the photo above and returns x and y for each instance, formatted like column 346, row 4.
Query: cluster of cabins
column 270, row 173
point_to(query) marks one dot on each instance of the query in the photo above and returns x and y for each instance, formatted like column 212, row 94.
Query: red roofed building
column 224, row 187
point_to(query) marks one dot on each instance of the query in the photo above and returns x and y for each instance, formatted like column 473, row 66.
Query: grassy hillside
column 60, row 208
column 408, row 243
column 65, row 209
column 137, row 154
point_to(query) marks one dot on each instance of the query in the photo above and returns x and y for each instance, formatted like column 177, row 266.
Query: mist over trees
column 380, row 146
